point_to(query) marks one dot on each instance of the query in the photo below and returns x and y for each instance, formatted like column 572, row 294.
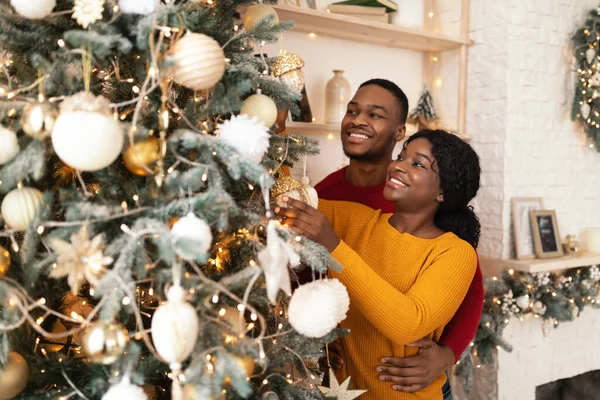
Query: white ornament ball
column 86, row 136
column 316, row 308
column 247, row 135
column 175, row 328
column 262, row 107
column 33, row 9
column 125, row 390
column 199, row 61
column 258, row 12
column 9, row 145
column 539, row 308
column 523, row 302
column 192, row 232
column 143, row 7
column 20, row 206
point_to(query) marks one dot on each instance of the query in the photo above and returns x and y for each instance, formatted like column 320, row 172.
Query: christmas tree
column 139, row 257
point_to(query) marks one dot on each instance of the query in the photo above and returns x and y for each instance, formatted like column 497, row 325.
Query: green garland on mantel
column 586, row 103
column 516, row 294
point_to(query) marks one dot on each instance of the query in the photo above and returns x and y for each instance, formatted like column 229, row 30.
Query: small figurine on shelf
column 571, row 245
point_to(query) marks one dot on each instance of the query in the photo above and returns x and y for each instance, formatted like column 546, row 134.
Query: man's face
column 372, row 125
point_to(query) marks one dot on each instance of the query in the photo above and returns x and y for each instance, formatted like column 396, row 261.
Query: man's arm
column 412, row 374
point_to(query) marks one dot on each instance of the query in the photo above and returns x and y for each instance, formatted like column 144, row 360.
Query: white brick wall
column 519, row 96
column 569, row 350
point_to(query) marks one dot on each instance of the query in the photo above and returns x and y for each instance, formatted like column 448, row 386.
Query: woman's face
column 412, row 179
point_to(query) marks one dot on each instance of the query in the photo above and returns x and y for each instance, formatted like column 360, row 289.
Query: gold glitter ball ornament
column 104, row 343
column 288, row 186
column 37, row 119
column 288, row 68
column 143, row 153
column 4, row 261
column 258, row 12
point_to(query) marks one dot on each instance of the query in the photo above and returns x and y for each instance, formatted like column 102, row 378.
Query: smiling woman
column 406, row 272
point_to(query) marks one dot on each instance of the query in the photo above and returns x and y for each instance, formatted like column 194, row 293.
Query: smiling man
column 375, row 121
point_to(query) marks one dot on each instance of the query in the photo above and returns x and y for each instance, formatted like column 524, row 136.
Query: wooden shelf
column 583, row 259
column 308, row 128
column 359, row 30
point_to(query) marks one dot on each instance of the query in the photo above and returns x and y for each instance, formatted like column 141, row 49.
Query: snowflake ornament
column 542, row 278
column 595, row 273
column 81, row 260
column 247, row 135
column 338, row 390
column 564, row 282
column 87, row 12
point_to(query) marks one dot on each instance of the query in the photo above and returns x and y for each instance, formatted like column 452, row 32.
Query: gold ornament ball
column 104, row 343
column 247, row 363
column 56, row 344
column 262, row 107
column 37, row 119
column 143, row 153
column 4, row 261
column 292, row 188
column 13, row 378
column 256, row 13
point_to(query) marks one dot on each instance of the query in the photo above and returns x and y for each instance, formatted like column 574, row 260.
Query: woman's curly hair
column 459, row 173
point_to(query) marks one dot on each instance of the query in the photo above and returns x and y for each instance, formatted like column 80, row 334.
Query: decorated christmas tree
column 139, row 255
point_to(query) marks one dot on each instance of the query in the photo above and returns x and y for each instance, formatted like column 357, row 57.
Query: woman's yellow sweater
column 402, row 288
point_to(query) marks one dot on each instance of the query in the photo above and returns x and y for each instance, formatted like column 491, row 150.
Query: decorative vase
column 337, row 96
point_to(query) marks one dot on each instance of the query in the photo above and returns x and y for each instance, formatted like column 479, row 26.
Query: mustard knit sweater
column 402, row 288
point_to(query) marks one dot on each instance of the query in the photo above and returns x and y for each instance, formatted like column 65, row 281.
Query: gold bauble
column 4, row 261
column 247, row 363
column 13, row 378
column 288, row 68
column 37, row 119
column 143, row 153
column 55, row 345
column 288, row 186
column 256, row 13
column 104, row 343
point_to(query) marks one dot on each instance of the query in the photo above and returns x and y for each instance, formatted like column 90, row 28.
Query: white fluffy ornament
column 262, row 107
column 143, row 7
column 86, row 136
column 193, row 236
column 9, row 145
column 20, row 206
column 125, row 390
column 247, row 135
column 523, row 302
column 33, row 9
column 316, row 308
column 199, row 61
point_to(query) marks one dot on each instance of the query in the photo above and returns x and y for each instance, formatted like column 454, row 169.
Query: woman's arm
column 430, row 303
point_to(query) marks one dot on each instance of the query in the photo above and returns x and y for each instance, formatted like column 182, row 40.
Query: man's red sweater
column 461, row 329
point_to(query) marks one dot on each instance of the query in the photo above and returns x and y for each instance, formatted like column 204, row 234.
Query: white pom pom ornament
column 199, row 61
column 262, row 107
column 247, row 135
column 125, row 390
column 9, row 145
column 33, row 9
column 143, row 7
column 20, row 206
column 316, row 308
column 86, row 136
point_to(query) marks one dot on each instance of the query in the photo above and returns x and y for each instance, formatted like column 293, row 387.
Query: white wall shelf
column 360, row 30
column 583, row 259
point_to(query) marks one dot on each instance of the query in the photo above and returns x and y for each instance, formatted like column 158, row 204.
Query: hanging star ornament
column 80, row 260
column 87, row 12
column 274, row 260
column 337, row 391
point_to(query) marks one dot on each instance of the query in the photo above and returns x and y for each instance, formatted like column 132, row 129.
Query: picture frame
column 546, row 236
column 523, row 234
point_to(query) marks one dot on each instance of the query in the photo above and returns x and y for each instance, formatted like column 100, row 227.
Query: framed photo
column 546, row 237
column 521, row 206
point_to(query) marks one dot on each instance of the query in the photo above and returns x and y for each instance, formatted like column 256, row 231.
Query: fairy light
column 126, row 301
column 61, row 43
column 430, row 15
column 125, row 228
column 241, row 307
column 92, row 292
column 312, row 35
column 215, row 299
column 253, row 317
column 511, row 272
column 250, row 186
column 330, row 136
column 39, row 321
column 222, row 312
column 136, row 198
column 40, row 230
